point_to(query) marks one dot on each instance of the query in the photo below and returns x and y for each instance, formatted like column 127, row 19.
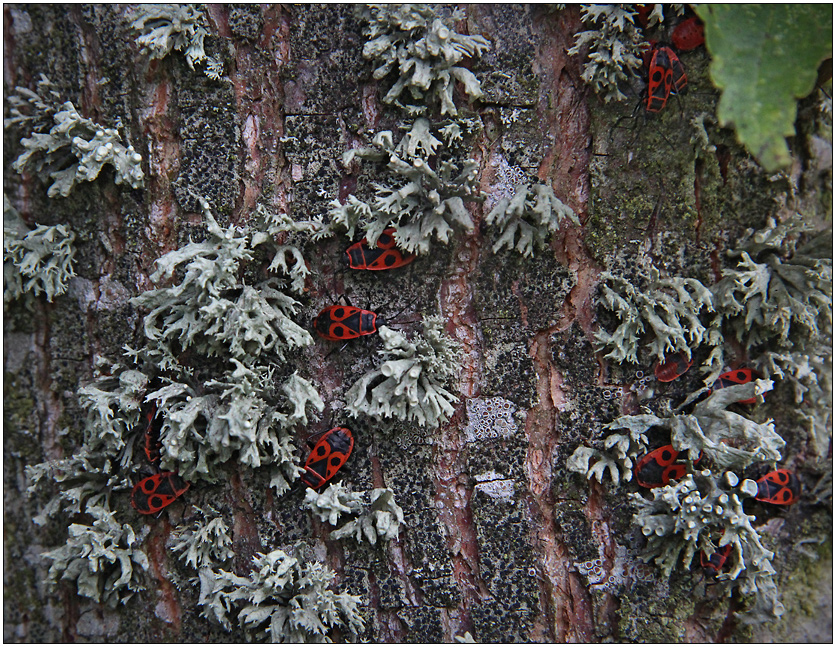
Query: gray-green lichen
column 206, row 542
column 615, row 47
column 39, row 261
column 409, row 384
column 250, row 410
column 286, row 598
column 247, row 414
column 780, row 292
column 99, row 467
column 377, row 514
column 65, row 147
column 166, row 27
column 669, row 308
column 777, row 301
column 774, row 303
column 703, row 431
column 424, row 49
column 426, row 199
column 211, row 311
column 528, row 217
column 703, row 512
column 102, row 557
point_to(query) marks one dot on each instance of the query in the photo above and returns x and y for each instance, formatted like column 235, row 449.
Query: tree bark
column 496, row 530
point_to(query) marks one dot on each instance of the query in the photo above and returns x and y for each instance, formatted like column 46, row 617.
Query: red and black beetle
column 659, row 467
column 665, row 74
column 341, row 322
column 673, row 367
column 328, row 455
column 385, row 256
column 689, row 34
column 733, row 378
column 780, row 487
column 713, row 565
column 155, row 492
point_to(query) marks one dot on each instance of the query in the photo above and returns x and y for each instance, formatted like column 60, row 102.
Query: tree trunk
column 497, row 533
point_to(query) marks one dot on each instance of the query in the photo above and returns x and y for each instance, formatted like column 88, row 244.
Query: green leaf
column 764, row 58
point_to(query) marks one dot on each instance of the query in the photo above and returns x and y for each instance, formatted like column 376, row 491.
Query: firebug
column 688, row 35
column 155, row 492
column 780, row 487
column 328, row 455
column 713, row 565
column 659, row 467
column 673, row 367
column 342, row 322
column 665, row 75
column 732, row 378
column 385, row 256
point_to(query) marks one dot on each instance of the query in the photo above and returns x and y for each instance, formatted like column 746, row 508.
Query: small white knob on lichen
column 749, row 487
column 731, row 479
column 443, row 33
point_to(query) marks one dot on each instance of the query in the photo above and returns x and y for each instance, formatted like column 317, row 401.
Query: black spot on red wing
column 148, row 485
column 384, row 240
column 742, row 376
column 650, row 474
column 156, row 502
column 782, row 477
column 338, row 313
column 667, row 456
column 336, row 461
column 322, row 450
column 390, row 259
column 786, row 495
column 673, row 473
column 340, row 332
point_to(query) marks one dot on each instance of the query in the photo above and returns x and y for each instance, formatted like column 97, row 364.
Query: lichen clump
column 286, row 598
column 427, row 199
column 615, row 47
column 775, row 304
column 39, row 261
column 74, row 149
column 422, row 47
column 528, row 217
column 377, row 514
column 211, row 311
column 409, row 384
column 249, row 411
column 167, row 27
column 102, row 557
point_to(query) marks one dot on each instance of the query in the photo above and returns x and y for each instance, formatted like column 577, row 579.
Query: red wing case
column 327, row 457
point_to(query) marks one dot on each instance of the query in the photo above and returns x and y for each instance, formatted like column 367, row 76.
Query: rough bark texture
column 494, row 527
